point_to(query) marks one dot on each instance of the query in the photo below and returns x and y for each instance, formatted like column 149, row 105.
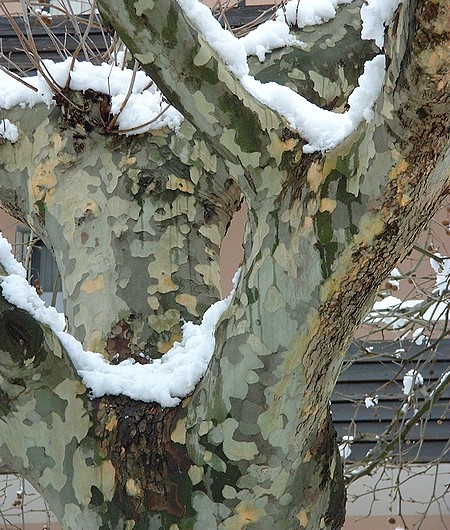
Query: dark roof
column 63, row 31
column 381, row 373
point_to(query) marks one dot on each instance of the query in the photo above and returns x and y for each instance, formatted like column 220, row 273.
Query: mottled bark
column 253, row 447
column 135, row 225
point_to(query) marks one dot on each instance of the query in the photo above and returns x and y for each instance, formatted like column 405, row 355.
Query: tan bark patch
column 189, row 302
column 133, row 488
column 315, row 176
column 127, row 161
column 303, row 518
column 248, row 512
column 307, row 225
column 278, row 147
column 108, row 476
column 42, row 180
column 327, row 205
column 175, row 335
column 175, row 183
column 91, row 285
column 111, row 423
column 166, row 285
column 398, row 169
column 178, row 435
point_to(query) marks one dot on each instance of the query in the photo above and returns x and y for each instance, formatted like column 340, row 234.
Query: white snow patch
column 345, row 449
column 437, row 311
column 411, row 380
column 303, row 13
column 442, row 269
column 8, row 131
column 230, row 49
column 268, row 36
column 395, row 273
column 371, row 401
column 418, row 337
column 7, row 260
column 388, row 303
column 376, row 15
column 43, row 13
column 393, row 284
column 144, row 105
column 165, row 381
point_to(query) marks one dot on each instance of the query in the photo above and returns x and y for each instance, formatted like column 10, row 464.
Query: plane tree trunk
column 136, row 225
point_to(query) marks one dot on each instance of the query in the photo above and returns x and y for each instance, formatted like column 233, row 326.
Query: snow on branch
column 165, row 381
column 138, row 106
column 145, row 104
column 322, row 129
column 8, row 131
column 416, row 316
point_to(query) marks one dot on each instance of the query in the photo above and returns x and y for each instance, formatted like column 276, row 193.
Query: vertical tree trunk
column 136, row 226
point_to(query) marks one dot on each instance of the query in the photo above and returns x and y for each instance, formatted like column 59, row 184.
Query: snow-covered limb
column 418, row 319
column 145, row 104
column 321, row 128
column 165, row 381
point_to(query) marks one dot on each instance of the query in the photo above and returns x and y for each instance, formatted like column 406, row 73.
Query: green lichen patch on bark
column 169, row 32
column 244, row 122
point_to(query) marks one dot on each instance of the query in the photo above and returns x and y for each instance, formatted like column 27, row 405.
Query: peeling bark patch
column 91, row 285
column 148, row 465
column 118, row 343
column 307, row 170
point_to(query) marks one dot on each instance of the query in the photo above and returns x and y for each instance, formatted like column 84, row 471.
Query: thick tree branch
column 325, row 69
column 148, row 212
column 193, row 77
column 44, row 412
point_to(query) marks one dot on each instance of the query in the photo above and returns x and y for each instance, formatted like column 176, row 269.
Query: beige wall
column 389, row 522
column 8, row 226
column 12, row 6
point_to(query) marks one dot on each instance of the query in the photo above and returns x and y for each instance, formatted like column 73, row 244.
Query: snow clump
column 166, row 380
